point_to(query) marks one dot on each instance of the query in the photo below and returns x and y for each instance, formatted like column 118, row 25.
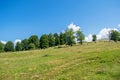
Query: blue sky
column 20, row 19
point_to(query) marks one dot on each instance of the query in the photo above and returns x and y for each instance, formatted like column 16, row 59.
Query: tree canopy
column 25, row 44
column 114, row 35
column 57, row 39
column 70, row 37
column 9, row 46
column 18, row 46
column 51, row 40
column 44, row 42
column 35, row 40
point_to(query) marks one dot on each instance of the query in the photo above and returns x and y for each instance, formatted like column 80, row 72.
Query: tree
column 1, row 47
column 70, row 38
column 51, row 40
column 57, row 39
column 35, row 40
column 94, row 38
column 9, row 46
column 114, row 35
column 44, row 42
column 24, row 44
column 31, row 46
column 80, row 36
column 18, row 46
column 61, row 38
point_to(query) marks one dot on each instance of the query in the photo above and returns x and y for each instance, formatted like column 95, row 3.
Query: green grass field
column 92, row 61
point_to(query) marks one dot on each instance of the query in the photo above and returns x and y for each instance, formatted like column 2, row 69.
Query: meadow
column 90, row 61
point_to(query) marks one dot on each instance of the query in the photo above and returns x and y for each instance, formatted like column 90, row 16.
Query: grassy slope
column 100, row 61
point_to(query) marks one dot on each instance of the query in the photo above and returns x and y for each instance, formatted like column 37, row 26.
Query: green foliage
column 57, row 39
column 9, row 46
column 70, row 37
column 1, row 47
column 51, row 40
column 44, row 42
column 18, row 46
column 25, row 44
column 62, row 38
column 94, row 38
column 114, row 35
column 31, row 46
column 80, row 36
column 35, row 40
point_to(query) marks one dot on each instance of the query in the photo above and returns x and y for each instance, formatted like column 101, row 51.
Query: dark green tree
column 62, row 38
column 57, row 39
column 18, row 46
column 35, row 40
column 25, row 44
column 1, row 47
column 94, row 38
column 9, row 46
column 51, row 40
column 80, row 36
column 70, row 38
column 31, row 46
column 44, row 42
column 114, row 35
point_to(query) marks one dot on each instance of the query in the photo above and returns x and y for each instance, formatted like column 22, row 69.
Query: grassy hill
column 92, row 61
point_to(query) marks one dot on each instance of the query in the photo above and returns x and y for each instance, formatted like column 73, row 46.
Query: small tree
column 57, row 39
column 1, row 47
column 18, row 46
column 44, row 42
column 94, row 38
column 9, row 46
column 35, row 40
column 80, row 36
column 51, row 40
column 114, row 35
column 31, row 46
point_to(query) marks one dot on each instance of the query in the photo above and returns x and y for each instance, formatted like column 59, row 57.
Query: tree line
column 49, row 40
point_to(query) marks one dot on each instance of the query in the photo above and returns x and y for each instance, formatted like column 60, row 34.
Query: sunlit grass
column 92, row 61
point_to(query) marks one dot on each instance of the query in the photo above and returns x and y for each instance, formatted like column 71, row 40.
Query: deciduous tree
column 35, row 40
column 80, row 36
column 18, row 46
column 9, row 46
column 44, row 42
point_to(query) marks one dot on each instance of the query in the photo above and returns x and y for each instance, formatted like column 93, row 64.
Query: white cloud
column 103, row 34
column 74, row 27
column 17, row 40
column 88, row 38
column 4, row 42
